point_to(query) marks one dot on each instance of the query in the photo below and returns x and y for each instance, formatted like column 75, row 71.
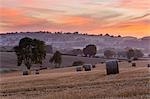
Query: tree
column 30, row 51
column 107, row 34
column 85, row 52
column 138, row 53
column 109, row 53
column 90, row 50
column 56, row 59
column 134, row 53
column 100, row 34
column 130, row 53
column 119, row 35
column 38, row 51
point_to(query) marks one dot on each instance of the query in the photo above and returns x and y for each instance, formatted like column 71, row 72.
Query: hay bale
column 37, row 72
column 133, row 64
column 78, row 68
column 148, row 65
column 102, row 62
column 93, row 66
column 129, row 61
column 119, row 61
column 87, row 67
column 25, row 73
column 112, row 67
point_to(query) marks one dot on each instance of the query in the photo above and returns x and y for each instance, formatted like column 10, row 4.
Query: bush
column 77, row 63
column 133, row 64
column 129, row 61
column 135, row 58
column 102, row 62
column 90, row 50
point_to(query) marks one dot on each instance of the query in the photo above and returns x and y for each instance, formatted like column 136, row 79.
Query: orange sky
column 124, row 17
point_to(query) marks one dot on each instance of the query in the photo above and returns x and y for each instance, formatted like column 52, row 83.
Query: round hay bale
column 37, row 72
column 102, row 62
column 93, row 66
column 119, row 61
column 129, row 61
column 112, row 67
column 25, row 73
column 133, row 64
column 148, row 65
column 78, row 68
column 87, row 67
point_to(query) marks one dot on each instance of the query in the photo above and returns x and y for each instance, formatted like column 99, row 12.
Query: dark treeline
column 76, row 33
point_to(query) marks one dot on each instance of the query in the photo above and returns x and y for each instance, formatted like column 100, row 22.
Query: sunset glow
column 124, row 17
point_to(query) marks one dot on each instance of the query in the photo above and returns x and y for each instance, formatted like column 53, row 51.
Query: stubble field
column 66, row 83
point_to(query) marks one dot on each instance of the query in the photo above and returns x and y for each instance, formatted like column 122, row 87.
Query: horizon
column 79, row 33
column 115, row 17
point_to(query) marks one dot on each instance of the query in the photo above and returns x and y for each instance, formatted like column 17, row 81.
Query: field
column 66, row 83
column 9, row 60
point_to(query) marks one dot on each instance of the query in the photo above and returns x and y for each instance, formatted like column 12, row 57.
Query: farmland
column 66, row 83
column 9, row 60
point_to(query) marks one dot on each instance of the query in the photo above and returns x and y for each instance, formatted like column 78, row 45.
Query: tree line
column 76, row 32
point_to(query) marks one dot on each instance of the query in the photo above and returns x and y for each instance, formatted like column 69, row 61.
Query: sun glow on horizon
column 124, row 17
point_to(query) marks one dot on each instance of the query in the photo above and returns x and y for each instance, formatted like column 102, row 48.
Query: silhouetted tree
column 38, row 51
column 30, row 51
column 56, row 59
column 90, row 50
column 130, row 53
column 85, row 52
column 100, row 34
column 119, row 35
column 111, row 36
column 138, row 53
column 76, row 33
column 107, row 34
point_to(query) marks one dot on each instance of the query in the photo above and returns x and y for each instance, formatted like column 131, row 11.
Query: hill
column 69, row 40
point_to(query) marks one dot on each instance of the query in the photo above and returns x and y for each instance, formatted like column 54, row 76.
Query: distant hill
column 76, row 40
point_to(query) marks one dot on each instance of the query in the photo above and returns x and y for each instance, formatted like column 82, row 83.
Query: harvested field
column 9, row 60
column 66, row 83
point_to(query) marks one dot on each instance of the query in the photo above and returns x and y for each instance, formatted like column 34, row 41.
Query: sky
column 116, row 17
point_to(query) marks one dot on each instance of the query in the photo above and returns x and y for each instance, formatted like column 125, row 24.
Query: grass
column 66, row 83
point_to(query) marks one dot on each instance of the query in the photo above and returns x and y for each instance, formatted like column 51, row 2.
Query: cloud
column 13, row 19
column 141, row 17
column 42, row 10
column 98, row 16
column 134, row 28
column 135, row 4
